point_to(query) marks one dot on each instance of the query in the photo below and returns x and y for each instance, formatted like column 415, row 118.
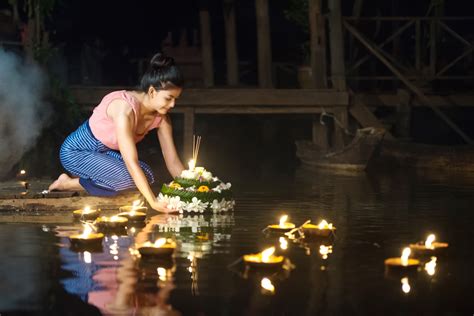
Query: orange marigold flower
column 203, row 188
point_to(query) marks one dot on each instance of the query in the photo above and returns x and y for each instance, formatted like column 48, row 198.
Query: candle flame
column 283, row 243
column 267, row 285
column 405, row 254
column 22, row 171
column 405, row 285
column 429, row 241
column 87, row 231
column 283, row 220
column 267, row 253
column 159, row 242
column 191, row 164
column 87, row 257
column 430, row 267
column 115, row 218
column 324, row 225
column 86, row 210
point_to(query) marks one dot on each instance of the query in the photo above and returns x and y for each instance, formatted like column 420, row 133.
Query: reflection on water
column 376, row 216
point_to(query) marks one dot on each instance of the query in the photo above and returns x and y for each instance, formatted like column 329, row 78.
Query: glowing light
column 283, row 243
column 283, row 220
column 325, row 251
column 430, row 267
column 86, row 210
column 159, row 242
column 87, row 231
column 405, row 285
column 267, row 253
column 267, row 285
column 22, row 172
column 87, row 257
column 429, row 241
column 324, row 225
column 405, row 254
column 191, row 164
column 161, row 273
column 115, row 218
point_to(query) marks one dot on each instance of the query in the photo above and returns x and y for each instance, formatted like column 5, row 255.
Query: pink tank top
column 103, row 127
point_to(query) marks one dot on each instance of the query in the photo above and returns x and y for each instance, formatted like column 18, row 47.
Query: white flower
column 189, row 174
column 206, row 176
column 175, row 203
column 196, row 205
column 215, row 206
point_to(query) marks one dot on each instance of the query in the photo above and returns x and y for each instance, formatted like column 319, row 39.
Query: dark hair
column 162, row 74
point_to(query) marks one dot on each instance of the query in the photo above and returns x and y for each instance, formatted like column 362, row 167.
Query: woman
column 101, row 155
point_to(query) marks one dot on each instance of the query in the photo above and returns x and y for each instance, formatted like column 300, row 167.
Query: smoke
column 23, row 111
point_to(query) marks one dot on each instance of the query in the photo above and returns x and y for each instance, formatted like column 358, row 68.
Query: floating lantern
column 283, row 226
column 112, row 222
column 264, row 259
column 323, row 229
column 403, row 262
column 160, row 248
column 88, row 237
column 429, row 246
column 86, row 214
column 135, row 212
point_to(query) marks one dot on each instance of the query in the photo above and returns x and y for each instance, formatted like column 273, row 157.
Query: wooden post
column 263, row 44
column 404, row 114
column 320, row 134
column 231, row 43
column 188, row 132
column 206, row 47
column 339, row 128
column 337, row 45
column 318, row 45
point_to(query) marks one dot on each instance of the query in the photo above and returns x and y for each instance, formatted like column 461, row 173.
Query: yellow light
column 430, row 267
column 161, row 273
column 283, row 220
column 87, row 231
column 22, row 171
column 405, row 254
column 405, row 285
column 159, row 242
column 429, row 241
column 324, row 225
column 283, row 243
column 87, row 210
column 267, row 253
column 87, row 257
column 325, row 251
column 267, row 285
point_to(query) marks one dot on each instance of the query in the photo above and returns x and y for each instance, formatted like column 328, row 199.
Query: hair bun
column 160, row 60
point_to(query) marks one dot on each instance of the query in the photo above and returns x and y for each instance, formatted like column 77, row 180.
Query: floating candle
column 264, row 258
column 405, row 285
column 404, row 261
column 86, row 213
column 87, row 237
column 430, row 267
column 135, row 212
column 323, row 229
column 112, row 222
column 430, row 245
column 161, row 247
column 283, row 226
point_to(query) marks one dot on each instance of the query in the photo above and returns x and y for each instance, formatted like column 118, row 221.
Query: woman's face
column 163, row 100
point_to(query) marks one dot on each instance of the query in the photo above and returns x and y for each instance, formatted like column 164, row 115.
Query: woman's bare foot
column 65, row 183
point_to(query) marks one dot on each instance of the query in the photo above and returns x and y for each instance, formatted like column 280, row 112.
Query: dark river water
column 376, row 215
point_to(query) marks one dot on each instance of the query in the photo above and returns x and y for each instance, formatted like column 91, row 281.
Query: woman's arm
column 165, row 136
column 123, row 117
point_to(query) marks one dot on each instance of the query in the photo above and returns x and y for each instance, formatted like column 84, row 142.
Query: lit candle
column 86, row 213
column 283, row 243
column 135, row 212
column 324, row 251
column 282, row 226
column 323, row 229
column 161, row 247
column 86, row 237
column 405, row 285
column 112, row 222
column 404, row 261
column 429, row 245
column 264, row 258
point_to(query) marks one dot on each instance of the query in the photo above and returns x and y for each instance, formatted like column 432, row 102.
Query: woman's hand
column 161, row 206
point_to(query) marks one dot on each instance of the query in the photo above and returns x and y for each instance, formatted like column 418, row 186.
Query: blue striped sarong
column 101, row 170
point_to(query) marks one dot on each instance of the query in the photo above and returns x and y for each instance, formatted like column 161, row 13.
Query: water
column 376, row 215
